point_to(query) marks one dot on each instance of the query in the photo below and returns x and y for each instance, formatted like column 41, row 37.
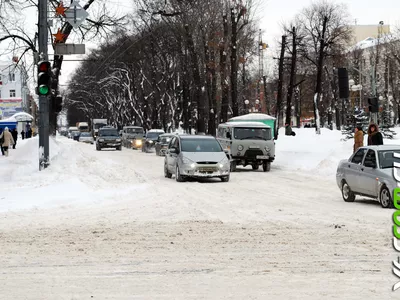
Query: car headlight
column 224, row 162
column 267, row 149
column 101, row 140
column 187, row 161
column 240, row 147
column 118, row 140
column 150, row 142
column 138, row 142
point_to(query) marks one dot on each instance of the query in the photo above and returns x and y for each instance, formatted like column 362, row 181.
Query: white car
column 86, row 137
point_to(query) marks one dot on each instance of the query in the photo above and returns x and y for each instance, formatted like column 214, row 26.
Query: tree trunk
column 209, row 57
column 280, row 86
column 156, row 95
column 200, row 124
column 318, row 88
column 292, row 77
column 267, row 103
column 234, row 66
column 223, row 72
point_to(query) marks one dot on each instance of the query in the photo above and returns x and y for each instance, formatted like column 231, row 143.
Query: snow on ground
column 108, row 225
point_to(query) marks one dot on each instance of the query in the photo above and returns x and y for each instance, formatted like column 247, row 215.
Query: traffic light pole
column 43, row 100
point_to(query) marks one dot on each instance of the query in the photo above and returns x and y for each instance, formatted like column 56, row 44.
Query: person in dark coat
column 1, row 144
column 374, row 136
column 288, row 130
column 14, row 134
column 23, row 134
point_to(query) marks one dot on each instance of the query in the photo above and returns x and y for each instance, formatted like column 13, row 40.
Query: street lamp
column 246, row 102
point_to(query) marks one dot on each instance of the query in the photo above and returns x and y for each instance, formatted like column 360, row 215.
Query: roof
column 247, row 124
column 200, row 137
column 253, row 116
column 383, row 147
column 156, row 130
column 131, row 126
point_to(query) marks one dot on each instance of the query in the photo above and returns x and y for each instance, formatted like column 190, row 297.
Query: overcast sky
column 272, row 13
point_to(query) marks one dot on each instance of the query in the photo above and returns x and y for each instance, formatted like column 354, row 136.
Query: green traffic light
column 43, row 90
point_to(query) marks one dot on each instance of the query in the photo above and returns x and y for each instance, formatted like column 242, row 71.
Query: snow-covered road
column 109, row 225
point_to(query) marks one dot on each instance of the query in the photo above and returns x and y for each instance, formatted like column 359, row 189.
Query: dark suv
column 108, row 137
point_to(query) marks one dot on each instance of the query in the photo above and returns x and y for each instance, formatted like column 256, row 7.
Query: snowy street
column 108, row 225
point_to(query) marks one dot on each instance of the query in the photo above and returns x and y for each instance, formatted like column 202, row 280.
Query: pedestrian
column 374, row 136
column 15, row 137
column 8, row 140
column 1, row 142
column 358, row 138
column 288, row 130
column 23, row 134
column 29, row 133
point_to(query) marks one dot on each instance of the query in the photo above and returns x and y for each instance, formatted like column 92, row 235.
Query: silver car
column 86, row 137
column 369, row 172
column 196, row 156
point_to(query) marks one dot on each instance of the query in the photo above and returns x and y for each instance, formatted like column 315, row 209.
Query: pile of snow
column 252, row 116
column 315, row 154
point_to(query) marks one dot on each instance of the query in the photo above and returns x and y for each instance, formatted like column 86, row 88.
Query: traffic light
column 373, row 105
column 57, row 104
column 44, row 78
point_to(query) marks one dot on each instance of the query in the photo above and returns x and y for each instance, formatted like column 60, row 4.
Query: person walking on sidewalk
column 8, row 140
column 358, row 138
column 374, row 136
column 15, row 137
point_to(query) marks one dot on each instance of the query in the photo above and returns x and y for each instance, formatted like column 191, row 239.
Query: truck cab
column 247, row 143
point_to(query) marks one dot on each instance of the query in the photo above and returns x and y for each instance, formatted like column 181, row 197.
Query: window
column 387, row 159
column 12, row 93
column 11, row 77
column 358, row 157
column 200, row 145
column 108, row 132
column 252, row 134
column 370, row 158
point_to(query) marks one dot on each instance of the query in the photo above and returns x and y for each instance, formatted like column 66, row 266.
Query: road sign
column 75, row 14
column 68, row 49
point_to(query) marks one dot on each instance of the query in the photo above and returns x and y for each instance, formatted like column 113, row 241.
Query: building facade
column 14, row 91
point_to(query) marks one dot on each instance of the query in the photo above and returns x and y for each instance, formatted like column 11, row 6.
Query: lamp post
column 257, row 103
column 246, row 103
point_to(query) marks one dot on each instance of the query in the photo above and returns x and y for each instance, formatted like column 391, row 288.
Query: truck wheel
column 266, row 166
column 255, row 166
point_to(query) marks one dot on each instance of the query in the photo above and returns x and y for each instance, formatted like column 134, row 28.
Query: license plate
column 262, row 157
column 207, row 169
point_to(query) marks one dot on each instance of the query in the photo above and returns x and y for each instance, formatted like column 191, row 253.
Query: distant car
column 108, row 137
column 162, row 143
column 369, row 173
column 75, row 135
column 196, row 157
column 151, row 139
column 86, row 137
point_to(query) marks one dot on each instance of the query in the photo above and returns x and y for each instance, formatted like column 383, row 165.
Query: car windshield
column 108, row 132
column 387, row 159
column 200, row 145
column 252, row 133
column 75, row 132
column 165, row 139
column 154, row 135
column 85, row 134
column 134, row 130
column 83, row 127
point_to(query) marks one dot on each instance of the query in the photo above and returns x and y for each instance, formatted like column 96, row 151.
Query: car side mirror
column 173, row 150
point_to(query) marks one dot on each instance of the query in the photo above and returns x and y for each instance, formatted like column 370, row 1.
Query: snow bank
column 315, row 154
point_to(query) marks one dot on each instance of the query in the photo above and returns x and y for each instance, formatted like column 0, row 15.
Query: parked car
column 151, row 139
column 369, row 172
column 162, row 143
column 108, row 137
column 86, row 137
column 196, row 157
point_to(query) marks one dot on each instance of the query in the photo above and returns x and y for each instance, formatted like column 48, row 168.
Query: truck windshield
column 99, row 125
column 252, row 133
column 134, row 130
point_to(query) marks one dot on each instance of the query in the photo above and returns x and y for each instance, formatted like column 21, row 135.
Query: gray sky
column 272, row 14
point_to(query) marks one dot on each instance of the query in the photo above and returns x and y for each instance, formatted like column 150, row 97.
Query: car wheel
column 178, row 176
column 233, row 166
column 167, row 174
column 255, row 167
column 119, row 148
column 347, row 193
column 266, row 166
column 385, row 198
column 225, row 179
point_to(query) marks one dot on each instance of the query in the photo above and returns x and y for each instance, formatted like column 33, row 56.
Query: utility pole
column 292, row 78
column 43, row 99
